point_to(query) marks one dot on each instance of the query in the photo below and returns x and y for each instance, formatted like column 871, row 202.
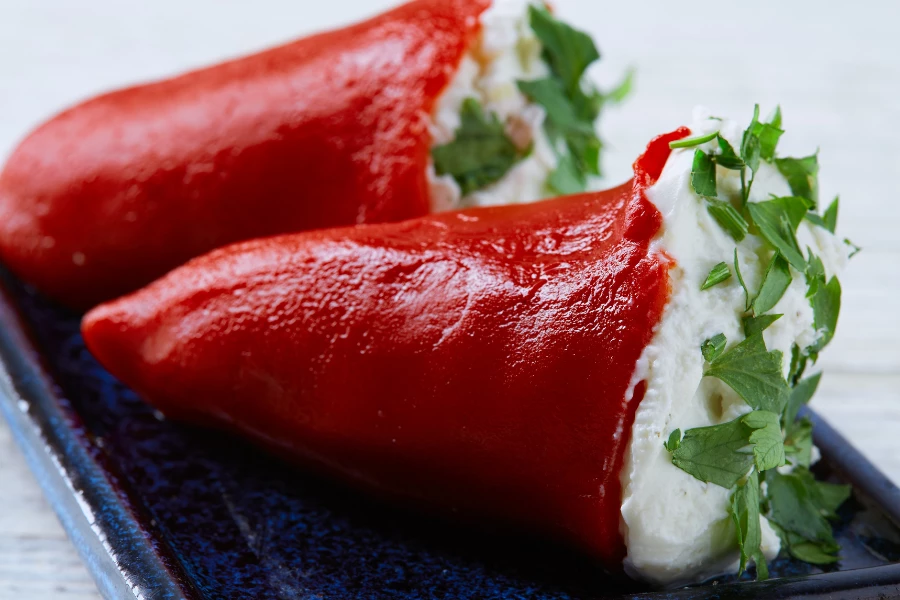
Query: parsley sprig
column 572, row 104
column 482, row 153
column 747, row 451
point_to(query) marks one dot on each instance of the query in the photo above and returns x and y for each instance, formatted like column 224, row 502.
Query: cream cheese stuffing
column 678, row 528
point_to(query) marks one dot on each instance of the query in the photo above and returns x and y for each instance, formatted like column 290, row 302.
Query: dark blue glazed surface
column 194, row 513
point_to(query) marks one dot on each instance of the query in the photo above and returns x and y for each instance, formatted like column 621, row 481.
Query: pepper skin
column 476, row 361
column 329, row 130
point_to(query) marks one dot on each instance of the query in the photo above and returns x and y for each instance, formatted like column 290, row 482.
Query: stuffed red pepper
column 435, row 105
column 620, row 369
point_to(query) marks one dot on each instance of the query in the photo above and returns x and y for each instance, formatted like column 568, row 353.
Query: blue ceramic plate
column 161, row 510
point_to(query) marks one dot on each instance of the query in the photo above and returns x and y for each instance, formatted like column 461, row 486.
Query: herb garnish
column 713, row 347
column 777, row 221
column 744, row 452
column 758, row 324
column 718, row 274
column 754, row 373
column 480, row 154
column 775, row 284
column 572, row 105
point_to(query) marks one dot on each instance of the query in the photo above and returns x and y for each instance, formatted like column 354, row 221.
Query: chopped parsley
column 826, row 304
column 777, row 221
column 754, row 373
column 758, row 324
column 671, row 445
column 801, row 393
column 828, row 219
column 727, row 157
column 745, row 514
column 718, row 274
column 713, row 347
column 800, row 508
column 775, row 284
column 728, row 218
column 802, row 175
column 746, row 452
column 481, row 153
column 572, row 104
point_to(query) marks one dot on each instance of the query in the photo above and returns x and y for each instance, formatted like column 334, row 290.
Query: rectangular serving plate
column 161, row 510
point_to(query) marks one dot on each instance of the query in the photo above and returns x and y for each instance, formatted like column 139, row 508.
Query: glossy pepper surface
column 325, row 131
column 478, row 361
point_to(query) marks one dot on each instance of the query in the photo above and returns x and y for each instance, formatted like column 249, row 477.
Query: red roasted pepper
column 325, row 131
column 475, row 361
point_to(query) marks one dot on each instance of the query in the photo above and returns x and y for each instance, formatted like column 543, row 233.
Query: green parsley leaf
column 754, row 373
column 745, row 514
column 826, row 305
column 570, row 122
column 793, row 508
column 622, row 90
column 815, row 274
column 727, row 157
column 737, row 271
column 728, row 218
column 767, row 440
column 831, row 496
column 550, row 94
column 750, row 144
column 775, row 284
column 754, row 325
column 798, row 365
column 802, row 175
column 673, row 442
column 585, row 151
column 777, row 221
column 713, row 347
column 571, row 106
column 480, row 154
column 703, row 174
column 831, row 214
column 801, row 394
column 566, row 178
column 717, row 275
column 812, row 553
column 567, row 51
column 716, row 454
column 691, row 142
column 768, row 136
column 587, row 104
column 827, row 221
column 799, row 443
column 775, row 120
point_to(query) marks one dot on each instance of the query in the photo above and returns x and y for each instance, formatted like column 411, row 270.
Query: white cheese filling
column 507, row 50
column 678, row 529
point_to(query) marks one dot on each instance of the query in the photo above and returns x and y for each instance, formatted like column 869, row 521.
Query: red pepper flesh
column 475, row 361
column 329, row 130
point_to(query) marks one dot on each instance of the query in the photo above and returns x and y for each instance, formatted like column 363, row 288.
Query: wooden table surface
column 834, row 67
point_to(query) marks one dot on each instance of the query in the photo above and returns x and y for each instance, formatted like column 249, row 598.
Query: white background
column 833, row 66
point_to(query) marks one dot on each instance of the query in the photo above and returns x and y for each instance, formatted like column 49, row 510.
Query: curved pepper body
column 329, row 130
column 477, row 361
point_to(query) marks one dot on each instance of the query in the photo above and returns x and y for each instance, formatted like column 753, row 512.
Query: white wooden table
column 834, row 67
